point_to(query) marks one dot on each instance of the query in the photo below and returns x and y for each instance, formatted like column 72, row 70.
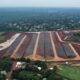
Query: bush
column 41, row 64
column 25, row 75
column 6, row 63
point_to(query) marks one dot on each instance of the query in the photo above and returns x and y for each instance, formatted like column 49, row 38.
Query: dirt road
column 17, row 48
column 35, row 48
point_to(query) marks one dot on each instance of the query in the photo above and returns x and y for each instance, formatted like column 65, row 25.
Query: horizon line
column 38, row 7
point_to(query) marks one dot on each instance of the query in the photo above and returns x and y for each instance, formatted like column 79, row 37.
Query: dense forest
column 39, row 19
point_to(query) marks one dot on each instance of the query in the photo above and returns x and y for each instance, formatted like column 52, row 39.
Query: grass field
column 75, row 37
column 69, row 71
column 2, row 37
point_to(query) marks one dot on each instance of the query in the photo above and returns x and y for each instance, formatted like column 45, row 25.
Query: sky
column 39, row 3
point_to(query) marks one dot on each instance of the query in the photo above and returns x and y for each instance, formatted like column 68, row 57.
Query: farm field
column 70, row 72
column 49, row 46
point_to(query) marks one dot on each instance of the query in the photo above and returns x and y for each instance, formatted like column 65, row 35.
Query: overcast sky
column 39, row 3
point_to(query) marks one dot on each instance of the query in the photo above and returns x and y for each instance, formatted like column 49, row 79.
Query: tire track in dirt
column 17, row 48
column 74, row 50
column 77, row 56
column 35, row 48
column 53, row 46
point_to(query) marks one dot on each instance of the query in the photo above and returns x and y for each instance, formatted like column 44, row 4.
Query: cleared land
column 49, row 46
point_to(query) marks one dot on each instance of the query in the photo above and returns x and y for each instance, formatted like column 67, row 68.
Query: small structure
column 20, row 65
column 51, row 68
column 39, row 68
column 3, row 72
column 66, row 62
column 44, row 78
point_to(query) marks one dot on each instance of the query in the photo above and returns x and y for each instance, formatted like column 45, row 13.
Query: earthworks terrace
column 49, row 46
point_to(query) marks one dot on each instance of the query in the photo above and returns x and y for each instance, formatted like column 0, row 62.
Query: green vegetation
column 5, row 63
column 2, row 37
column 5, row 66
column 75, row 37
column 36, row 70
column 41, row 64
column 25, row 75
column 69, row 71
column 2, row 77
column 39, row 19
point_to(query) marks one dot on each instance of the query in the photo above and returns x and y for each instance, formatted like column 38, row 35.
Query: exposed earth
column 49, row 46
